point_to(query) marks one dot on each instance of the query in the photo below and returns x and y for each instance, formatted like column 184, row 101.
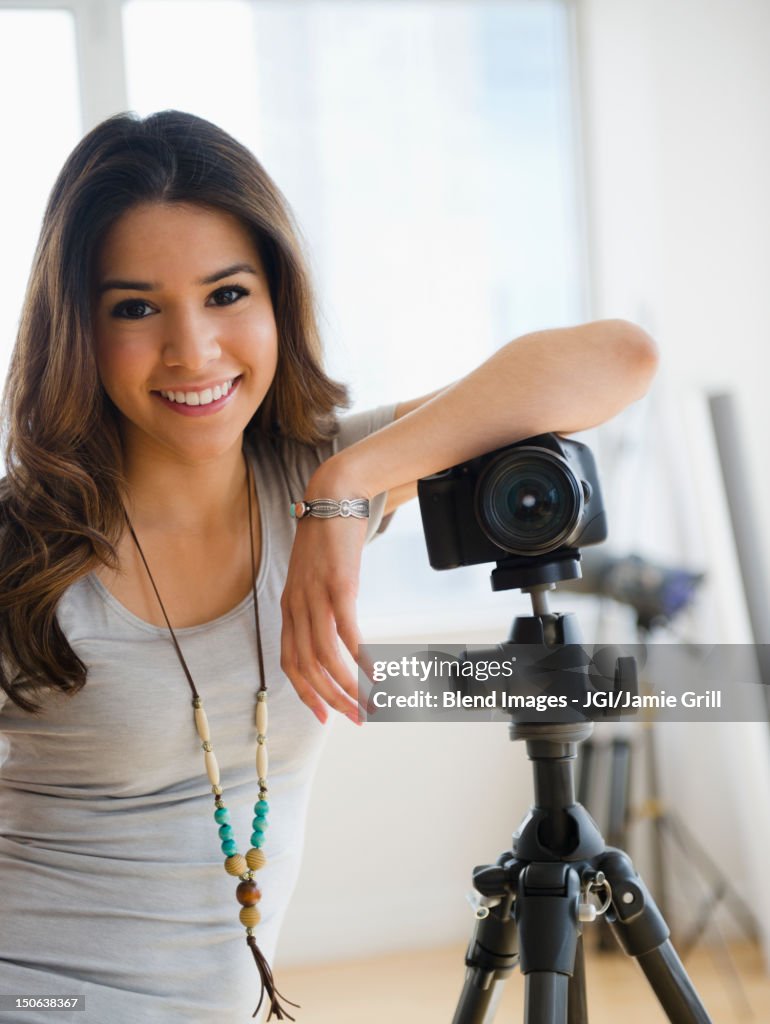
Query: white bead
column 262, row 717
column 212, row 768
column 202, row 724
column 262, row 761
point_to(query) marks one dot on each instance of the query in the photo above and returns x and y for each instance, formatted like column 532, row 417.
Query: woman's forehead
column 184, row 235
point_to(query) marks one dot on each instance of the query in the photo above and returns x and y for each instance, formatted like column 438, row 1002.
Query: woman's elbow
column 641, row 356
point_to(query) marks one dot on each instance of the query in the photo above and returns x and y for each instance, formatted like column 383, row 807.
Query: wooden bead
column 250, row 917
column 262, row 761
column 202, row 724
column 212, row 767
column 261, row 720
column 236, row 865
column 255, row 859
column 248, row 894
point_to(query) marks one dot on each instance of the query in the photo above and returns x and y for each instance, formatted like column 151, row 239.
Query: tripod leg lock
column 546, row 911
column 493, row 951
column 635, row 920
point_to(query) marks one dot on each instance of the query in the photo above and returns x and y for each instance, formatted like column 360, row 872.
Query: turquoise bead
column 229, row 847
column 259, row 824
column 222, row 816
column 261, row 807
column 225, row 832
column 293, row 510
column 257, row 839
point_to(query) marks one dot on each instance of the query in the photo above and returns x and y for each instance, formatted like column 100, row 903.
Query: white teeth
column 205, row 397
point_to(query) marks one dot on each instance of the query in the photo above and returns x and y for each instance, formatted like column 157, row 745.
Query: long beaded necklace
column 237, row 864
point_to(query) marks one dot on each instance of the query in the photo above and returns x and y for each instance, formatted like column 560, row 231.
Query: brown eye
column 132, row 309
column 227, row 296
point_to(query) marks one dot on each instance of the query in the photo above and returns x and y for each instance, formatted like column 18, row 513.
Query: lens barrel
column 528, row 501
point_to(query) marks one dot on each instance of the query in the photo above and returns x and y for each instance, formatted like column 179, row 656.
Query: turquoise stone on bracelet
column 225, row 832
column 229, row 847
column 257, row 839
column 259, row 824
column 293, row 510
column 222, row 816
column 261, row 807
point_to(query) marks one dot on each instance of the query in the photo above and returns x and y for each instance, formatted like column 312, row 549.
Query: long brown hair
column 61, row 501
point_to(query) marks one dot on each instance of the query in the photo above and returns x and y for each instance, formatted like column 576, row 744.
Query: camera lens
column 529, row 501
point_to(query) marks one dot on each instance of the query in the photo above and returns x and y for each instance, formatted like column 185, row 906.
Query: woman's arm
column 561, row 381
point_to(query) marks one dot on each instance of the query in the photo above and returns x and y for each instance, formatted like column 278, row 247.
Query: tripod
column 533, row 902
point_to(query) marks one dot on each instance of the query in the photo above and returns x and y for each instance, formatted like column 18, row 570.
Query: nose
column 190, row 341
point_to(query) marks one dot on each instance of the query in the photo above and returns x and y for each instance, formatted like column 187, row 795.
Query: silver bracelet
column 328, row 508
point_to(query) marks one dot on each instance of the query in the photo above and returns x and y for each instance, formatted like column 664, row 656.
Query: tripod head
column 551, row 659
column 536, row 573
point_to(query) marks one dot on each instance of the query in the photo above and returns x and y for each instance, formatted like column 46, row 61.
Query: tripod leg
column 640, row 929
column 578, row 1007
column 547, row 916
column 550, row 998
column 672, row 986
column 492, row 955
column 545, row 998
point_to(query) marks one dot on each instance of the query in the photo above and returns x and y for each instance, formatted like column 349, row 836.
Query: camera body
column 537, row 497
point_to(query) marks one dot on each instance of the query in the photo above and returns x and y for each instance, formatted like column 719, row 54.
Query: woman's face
column 186, row 341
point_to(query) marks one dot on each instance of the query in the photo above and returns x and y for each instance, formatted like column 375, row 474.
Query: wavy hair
column 61, row 511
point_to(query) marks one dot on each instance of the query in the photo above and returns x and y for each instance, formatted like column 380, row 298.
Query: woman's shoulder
column 291, row 463
column 346, row 431
column 358, row 425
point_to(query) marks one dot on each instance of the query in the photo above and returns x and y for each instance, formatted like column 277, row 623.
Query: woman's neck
column 171, row 495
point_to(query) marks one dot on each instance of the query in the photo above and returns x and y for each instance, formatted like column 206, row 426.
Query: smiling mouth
column 204, row 397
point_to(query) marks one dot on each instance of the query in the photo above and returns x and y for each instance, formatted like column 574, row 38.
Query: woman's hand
column 319, row 603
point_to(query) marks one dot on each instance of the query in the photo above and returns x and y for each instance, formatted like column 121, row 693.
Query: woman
column 166, row 403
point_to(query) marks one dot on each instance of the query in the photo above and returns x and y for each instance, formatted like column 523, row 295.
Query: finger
column 308, row 664
column 326, row 645
column 305, row 691
column 348, row 631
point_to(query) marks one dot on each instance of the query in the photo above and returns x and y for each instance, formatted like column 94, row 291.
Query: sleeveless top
column 111, row 878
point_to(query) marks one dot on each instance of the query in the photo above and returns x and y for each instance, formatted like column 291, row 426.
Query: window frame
column 99, row 53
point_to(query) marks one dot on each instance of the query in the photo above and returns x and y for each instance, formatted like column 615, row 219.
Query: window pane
column 40, row 111
column 427, row 151
column 193, row 55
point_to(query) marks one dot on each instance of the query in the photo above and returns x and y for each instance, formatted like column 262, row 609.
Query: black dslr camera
column 537, row 497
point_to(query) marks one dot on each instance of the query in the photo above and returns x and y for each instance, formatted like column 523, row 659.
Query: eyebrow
column 150, row 286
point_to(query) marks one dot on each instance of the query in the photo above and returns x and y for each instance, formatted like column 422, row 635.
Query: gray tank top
column 111, row 877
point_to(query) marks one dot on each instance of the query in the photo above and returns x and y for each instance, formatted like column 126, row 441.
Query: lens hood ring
column 548, row 505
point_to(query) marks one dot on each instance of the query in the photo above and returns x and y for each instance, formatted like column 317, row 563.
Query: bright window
column 41, row 124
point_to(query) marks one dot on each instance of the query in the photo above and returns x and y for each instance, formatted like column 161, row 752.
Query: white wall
column 677, row 140
column 677, row 149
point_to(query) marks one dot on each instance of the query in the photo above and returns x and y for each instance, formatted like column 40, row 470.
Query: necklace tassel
column 268, row 985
